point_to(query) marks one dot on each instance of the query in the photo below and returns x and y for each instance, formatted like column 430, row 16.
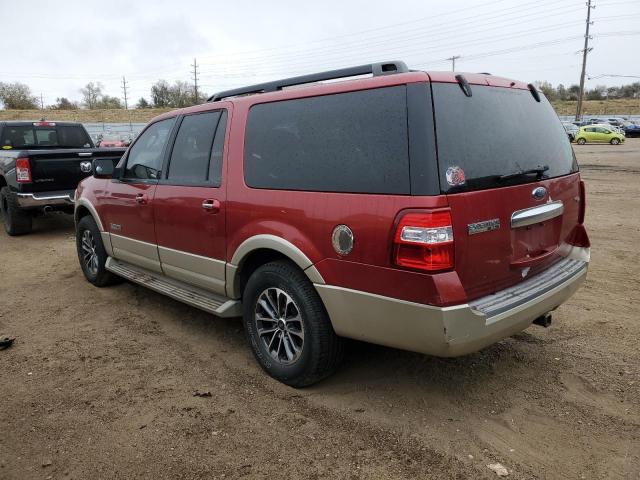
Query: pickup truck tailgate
column 64, row 169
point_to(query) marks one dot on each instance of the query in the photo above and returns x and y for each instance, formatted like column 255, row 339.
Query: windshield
column 497, row 137
column 59, row 136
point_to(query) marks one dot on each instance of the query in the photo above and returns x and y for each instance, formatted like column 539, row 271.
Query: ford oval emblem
column 539, row 193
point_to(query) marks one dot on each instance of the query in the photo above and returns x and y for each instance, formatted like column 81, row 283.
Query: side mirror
column 103, row 168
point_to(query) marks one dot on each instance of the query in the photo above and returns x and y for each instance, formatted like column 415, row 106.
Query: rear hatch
column 53, row 170
column 510, row 177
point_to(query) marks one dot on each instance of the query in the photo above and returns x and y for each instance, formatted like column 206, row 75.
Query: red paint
column 484, row 263
column 183, row 224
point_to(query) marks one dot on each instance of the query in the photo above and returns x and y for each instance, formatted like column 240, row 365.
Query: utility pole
column 453, row 62
column 195, row 79
column 124, row 89
column 41, row 102
column 584, row 60
column 126, row 103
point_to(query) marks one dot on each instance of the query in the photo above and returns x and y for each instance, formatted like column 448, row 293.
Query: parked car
column 348, row 209
column 615, row 121
column 112, row 141
column 571, row 130
column 632, row 130
column 41, row 164
column 599, row 134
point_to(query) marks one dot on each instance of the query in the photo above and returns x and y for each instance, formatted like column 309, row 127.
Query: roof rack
column 376, row 69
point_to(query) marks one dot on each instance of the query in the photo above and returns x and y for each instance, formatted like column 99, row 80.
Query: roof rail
column 376, row 69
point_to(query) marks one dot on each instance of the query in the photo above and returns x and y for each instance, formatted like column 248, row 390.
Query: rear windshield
column 497, row 137
column 58, row 136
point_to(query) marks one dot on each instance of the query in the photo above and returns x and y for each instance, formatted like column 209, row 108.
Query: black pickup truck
column 41, row 164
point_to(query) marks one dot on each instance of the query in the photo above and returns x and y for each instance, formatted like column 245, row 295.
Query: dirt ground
column 100, row 382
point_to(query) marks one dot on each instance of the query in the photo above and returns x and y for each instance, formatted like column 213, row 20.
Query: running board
column 194, row 296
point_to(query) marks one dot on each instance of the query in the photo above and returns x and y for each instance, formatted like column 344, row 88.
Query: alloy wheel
column 279, row 325
column 89, row 255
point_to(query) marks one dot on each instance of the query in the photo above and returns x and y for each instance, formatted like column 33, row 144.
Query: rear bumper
column 43, row 199
column 451, row 331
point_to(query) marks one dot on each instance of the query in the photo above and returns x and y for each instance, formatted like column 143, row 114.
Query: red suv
column 432, row 212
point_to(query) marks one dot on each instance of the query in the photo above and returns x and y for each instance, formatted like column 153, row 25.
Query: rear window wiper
column 539, row 170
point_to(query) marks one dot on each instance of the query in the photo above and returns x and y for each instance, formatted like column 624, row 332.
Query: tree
column 91, row 94
column 143, row 103
column 160, row 94
column 64, row 103
column 17, row 96
column 181, row 95
column 106, row 102
column 548, row 90
column 178, row 95
column 561, row 92
column 574, row 92
column 597, row 93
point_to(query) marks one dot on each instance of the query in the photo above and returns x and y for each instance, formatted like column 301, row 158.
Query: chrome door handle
column 211, row 205
column 141, row 198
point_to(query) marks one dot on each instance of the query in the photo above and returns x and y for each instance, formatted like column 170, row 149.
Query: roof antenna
column 534, row 92
column 464, row 85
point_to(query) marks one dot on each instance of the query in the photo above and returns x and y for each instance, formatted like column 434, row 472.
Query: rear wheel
column 581, row 141
column 16, row 220
column 288, row 327
column 92, row 254
column 614, row 141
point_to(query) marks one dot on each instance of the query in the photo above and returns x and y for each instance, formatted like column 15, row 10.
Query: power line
column 585, row 52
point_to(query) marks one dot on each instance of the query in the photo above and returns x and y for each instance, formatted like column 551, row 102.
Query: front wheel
column 614, row 141
column 92, row 254
column 581, row 141
column 288, row 327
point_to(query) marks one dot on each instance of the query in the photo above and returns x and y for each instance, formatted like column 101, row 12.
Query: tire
column 615, row 141
column 308, row 349
column 16, row 220
column 581, row 141
column 91, row 253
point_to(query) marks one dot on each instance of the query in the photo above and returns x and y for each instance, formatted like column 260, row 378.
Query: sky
column 58, row 47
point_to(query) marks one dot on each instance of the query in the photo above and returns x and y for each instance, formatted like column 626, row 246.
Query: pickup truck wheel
column 16, row 220
column 92, row 254
column 288, row 327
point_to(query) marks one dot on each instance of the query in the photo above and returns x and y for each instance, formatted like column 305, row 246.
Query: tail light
column 23, row 170
column 583, row 203
column 424, row 241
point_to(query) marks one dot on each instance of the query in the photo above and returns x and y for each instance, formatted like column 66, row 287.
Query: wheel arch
column 261, row 249
column 83, row 208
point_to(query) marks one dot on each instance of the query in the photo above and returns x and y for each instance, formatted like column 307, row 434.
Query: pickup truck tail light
column 424, row 241
column 23, row 170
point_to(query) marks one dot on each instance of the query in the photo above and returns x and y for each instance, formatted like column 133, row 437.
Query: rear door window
column 497, row 132
column 196, row 158
column 347, row 142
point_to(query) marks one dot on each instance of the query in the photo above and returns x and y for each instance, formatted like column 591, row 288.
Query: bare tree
column 91, row 94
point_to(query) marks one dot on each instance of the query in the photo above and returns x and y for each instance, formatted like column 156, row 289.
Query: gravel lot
column 100, row 382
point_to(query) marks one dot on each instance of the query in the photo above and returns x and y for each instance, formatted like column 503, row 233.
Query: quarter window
column 348, row 142
column 197, row 151
column 145, row 156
